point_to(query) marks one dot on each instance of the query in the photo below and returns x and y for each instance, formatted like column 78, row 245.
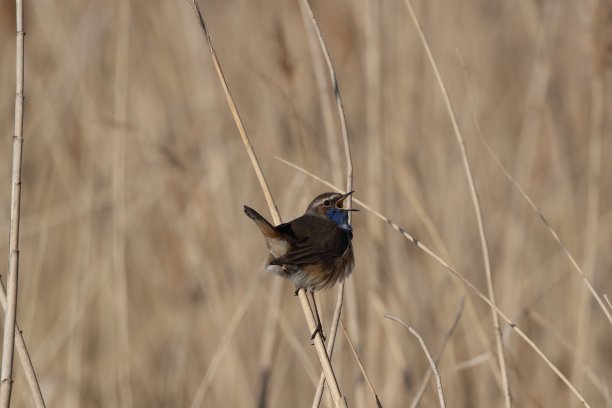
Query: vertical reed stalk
column 319, row 345
column 324, row 101
column 330, row 343
column 592, row 222
column 10, row 315
column 307, row 10
column 476, row 202
column 24, row 357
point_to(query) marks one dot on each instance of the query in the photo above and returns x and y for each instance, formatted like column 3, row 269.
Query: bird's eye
column 326, row 203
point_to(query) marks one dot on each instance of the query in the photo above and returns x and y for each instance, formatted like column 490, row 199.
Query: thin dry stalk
column 432, row 363
column 476, row 202
column 336, row 90
column 232, row 105
column 545, row 22
column 80, row 292
column 319, row 345
column 607, row 300
column 330, row 343
column 10, row 315
column 307, row 11
column 340, row 106
column 466, row 282
column 447, row 336
column 324, row 101
column 274, row 300
column 268, row 351
column 330, row 377
column 592, row 222
column 363, row 371
column 24, row 357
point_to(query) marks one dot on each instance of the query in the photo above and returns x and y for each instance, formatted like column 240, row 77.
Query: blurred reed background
column 135, row 253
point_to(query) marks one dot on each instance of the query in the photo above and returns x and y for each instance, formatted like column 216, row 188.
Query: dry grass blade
column 319, row 345
column 447, row 336
column 432, row 363
column 481, row 229
column 10, row 317
column 363, row 371
column 466, row 282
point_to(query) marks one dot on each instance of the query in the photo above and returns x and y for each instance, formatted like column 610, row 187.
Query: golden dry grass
column 135, row 253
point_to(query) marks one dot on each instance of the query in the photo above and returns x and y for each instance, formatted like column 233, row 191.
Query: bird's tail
column 266, row 228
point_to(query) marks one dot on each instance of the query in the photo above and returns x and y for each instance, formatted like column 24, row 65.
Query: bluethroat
column 314, row 251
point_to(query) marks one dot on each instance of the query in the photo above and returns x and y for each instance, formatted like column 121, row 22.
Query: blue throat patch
column 340, row 218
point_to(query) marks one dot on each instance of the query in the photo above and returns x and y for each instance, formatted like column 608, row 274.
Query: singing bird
column 314, row 251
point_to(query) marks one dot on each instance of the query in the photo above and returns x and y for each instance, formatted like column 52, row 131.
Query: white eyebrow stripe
column 321, row 201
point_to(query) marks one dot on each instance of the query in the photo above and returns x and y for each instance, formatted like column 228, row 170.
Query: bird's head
column 331, row 205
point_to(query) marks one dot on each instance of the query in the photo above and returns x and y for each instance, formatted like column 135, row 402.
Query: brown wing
column 315, row 239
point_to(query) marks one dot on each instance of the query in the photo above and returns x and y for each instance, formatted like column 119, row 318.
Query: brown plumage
column 314, row 251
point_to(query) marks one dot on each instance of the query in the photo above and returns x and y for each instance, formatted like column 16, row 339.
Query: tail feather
column 266, row 228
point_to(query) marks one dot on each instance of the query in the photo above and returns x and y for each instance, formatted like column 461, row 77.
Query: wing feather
column 314, row 239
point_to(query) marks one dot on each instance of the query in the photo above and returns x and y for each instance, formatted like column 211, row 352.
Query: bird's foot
column 319, row 330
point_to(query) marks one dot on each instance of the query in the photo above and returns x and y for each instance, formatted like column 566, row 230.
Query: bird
column 314, row 251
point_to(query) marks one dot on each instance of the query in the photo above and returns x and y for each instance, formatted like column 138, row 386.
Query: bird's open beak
column 341, row 201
